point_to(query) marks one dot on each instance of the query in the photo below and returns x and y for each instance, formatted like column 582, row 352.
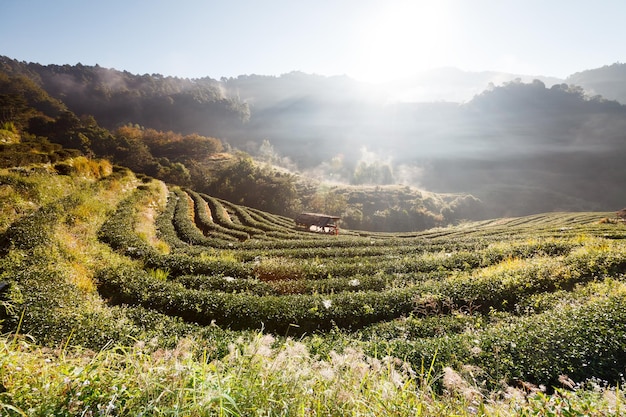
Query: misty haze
column 513, row 144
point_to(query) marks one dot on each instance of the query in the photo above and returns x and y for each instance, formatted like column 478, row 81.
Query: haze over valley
column 513, row 108
column 520, row 144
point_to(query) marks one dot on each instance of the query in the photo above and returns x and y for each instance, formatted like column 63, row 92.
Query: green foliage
column 508, row 301
column 245, row 183
column 219, row 219
column 579, row 340
column 32, row 230
column 187, row 230
column 21, row 99
column 294, row 295
column 164, row 155
column 391, row 208
column 184, row 159
column 25, row 107
column 372, row 173
column 33, row 151
column 118, row 229
column 251, row 220
column 177, row 147
column 9, row 133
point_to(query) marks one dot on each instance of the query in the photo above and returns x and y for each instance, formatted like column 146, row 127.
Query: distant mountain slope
column 521, row 147
column 455, row 85
column 530, row 148
column 116, row 97
column 608, row 81
column 19, row 92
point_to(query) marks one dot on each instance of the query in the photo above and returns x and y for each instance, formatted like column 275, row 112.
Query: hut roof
column 321, row 215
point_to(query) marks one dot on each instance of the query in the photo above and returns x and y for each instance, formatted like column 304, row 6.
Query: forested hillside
column 116, row 98
column 519, row 148
column 36, row 128
column 607, row 81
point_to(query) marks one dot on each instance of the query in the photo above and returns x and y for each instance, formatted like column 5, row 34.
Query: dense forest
column 36, row 128
column 515, row 148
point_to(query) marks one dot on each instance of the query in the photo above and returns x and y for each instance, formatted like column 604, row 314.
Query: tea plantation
column 111, row 281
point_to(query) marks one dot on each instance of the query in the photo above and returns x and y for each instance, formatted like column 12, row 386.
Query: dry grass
column 260, row 376
column 149, row 209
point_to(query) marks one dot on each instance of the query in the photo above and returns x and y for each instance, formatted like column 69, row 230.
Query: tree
column 267, row 152
column 175, row 173
column 374, row 173
column 130, row 150
column 177, row 147
column 328, row 202
column 244, row 182
column 199, row 147
column 14, row 109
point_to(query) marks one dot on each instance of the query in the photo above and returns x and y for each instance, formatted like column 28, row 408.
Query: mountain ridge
column 520, row 147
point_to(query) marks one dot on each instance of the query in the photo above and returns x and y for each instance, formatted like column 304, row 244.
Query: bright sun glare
column 402, row 39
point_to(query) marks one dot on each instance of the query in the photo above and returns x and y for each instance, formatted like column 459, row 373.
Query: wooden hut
column 317, row 222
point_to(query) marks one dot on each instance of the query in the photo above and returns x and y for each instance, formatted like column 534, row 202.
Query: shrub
column 276, row 269
column 33, row 230
column 187, row 230
column 578, row 340
column 118, row 230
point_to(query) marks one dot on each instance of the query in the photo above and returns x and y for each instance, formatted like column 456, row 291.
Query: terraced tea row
column 225, row 267
column 527, row 298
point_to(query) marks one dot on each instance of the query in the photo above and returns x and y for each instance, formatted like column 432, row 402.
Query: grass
column 260, row 376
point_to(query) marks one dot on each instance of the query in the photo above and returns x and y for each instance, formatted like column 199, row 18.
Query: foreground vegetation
column 125, row 296
column 256, row 378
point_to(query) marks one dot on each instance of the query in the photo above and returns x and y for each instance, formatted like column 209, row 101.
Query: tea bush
column 517, row 300
column 118, row 231
column 578, row 340
column 227, row 219
column 244, row 217
column 37, row 228
column 207, row 226
column 188, row 231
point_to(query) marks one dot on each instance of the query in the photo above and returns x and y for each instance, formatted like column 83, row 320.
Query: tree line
column 46, row 125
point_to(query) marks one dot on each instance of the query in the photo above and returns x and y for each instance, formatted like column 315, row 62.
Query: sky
column 369, row 40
